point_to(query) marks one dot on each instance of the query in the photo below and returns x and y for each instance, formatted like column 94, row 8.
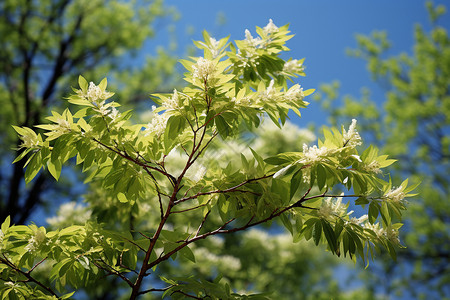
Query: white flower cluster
column 254, row 42
column 396, row 195
column 62, row 126
column 313, row 154
column 113, row 114
column 11, row 284
column 204, row 69
column 157, row 126
column 30, row 141
column 270, row 27
column 293, row 66
column 372, row 167
column 222, row 261
column 95, row 95
column 352, row 137
column 244, row 101
column 71, row 213
column 388, row 233
column 269, row 94
column 294, row 94
column 214, row 48
column 35, row 241
column 359, row 221
column 172, row 103
column 330, row 209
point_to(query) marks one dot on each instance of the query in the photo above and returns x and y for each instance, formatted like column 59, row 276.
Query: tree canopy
column 167, row 192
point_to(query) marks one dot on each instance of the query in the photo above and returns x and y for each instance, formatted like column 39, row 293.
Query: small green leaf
column 5, row 224
column 122, row 198
column 321, row 176
column 373, row 212
column 83, row 83
column 317, row 232
column 329, row 235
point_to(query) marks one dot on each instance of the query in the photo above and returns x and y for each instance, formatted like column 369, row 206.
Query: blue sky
column 323, row 31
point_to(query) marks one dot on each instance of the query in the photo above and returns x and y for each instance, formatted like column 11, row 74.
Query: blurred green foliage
column 412, row 124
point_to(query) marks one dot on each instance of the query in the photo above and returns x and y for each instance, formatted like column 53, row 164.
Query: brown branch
column 189, row 209
column 27, row 274
column 202, row 223
column 157, row 290
column 229, row 190
column 112, row 271
column 136, row 161
column 35, row 266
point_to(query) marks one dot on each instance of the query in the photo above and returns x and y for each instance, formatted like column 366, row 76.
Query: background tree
column 413, row 124
column 44, row 45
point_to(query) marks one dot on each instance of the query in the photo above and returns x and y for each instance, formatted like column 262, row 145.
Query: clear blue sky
column 323, row 31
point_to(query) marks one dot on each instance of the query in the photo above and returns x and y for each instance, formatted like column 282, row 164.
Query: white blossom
column 157, row 126
column 204, row 69
column 359, row 221
column 95, row 95
column 214, row 48
column 113, row 114
column 379, row 231
column 11, row 284
column 172, row 103
column 270, row 27
column 295, row 93
column 392, row 235
column 306, row 176
column 254, row 42
column 352, row 137
column 244, row 101
column 222, row 261
column 372, row 167
column 330, row 209
column 35, row 240
column 388, row 233
column 30, row 141
column 70, row 212
column 313, row 154
column 62, row 126
column 396, row 195
column 269, row 93
column 293, row 66
column 94, row 92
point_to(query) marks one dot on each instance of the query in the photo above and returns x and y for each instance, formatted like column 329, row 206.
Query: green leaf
column 54, row 167
column 187, row 253
column 287, row 223
column 361, row 201
column 317, row 232
column 222, row 126
column 33, row 167
column 67, row 296
column 373, row 212
column 321, row 176
column 83, row 83
column 329, row 235
column 102, row 85
column 295, row 182
column 5, row 224
column 122, row 198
